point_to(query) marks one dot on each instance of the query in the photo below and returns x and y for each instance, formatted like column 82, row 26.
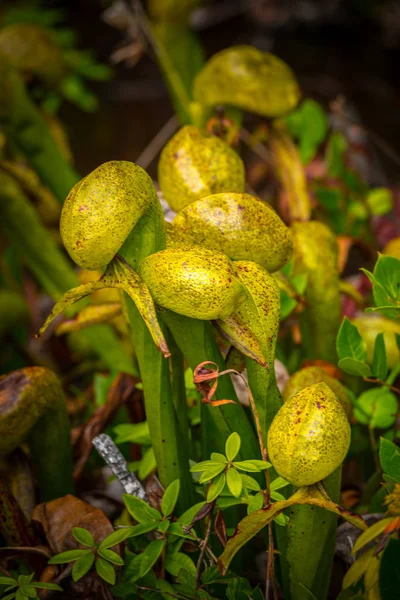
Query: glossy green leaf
column 140, row 510
column 376, row 407
column 252, row 466
column 389, row 456
column 170, row 498
column 177, row 561
column 379, row 363
column 178, row 529
column 43, row 585
column 256, row 503
column 25, row 578
column 218, row 457
column 105, row 570
column 216, row 487
column 354, row 367
column 232, row 446
column 151, row 555
column 234, row 482
column 386, row 285
column 28, row 591
column 163, row 526
column 116, row 537
column 335, row 154
column 111, row 556
column 250, row 483
column 136, row 433
column 7, row 581
column 212, row 472
column 380, row 201
column 82, row 566
column 204, row 465
column 358, row 568
column 371, row 533
column 349, row 343
column 68, row 556
column 278, row 483
column 83, row 536
column 309, row 124
column 143, row 528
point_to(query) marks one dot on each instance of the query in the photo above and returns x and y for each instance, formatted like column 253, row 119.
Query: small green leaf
column 136, row 433
column 379, row 363
column 68, row 556
column 116, row 537
column 260, row 464
column 234, row 482
column 277, row 496
column 354, row 367
column 217, row 457
column 203, row 466
column 358, row 568
column 216, row 487
column 11, row 596
column 251, row 466
column 281, row 519
column 232, row 446
column 140, row 510
column 25, row 578
column 376, row 408
column 163, row 526
column 256, row 503
column 83, row 536
column 150, row 556
column 349, row 343
column 386, row 285
column 212, row 472
column 28, row 591
column 380, row 201
column 278, row 483
column 46, row 586
column 170, row 498
column 370, row 534
column 8, row 581
column 111, row 556
column 389, row 455
column 177, row 561
column 105, row 570
column 250, row 483
column 143, row 528
column 178, row 530
column 82, row 566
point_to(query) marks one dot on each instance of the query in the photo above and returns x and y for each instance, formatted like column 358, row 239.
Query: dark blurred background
column 335, row 47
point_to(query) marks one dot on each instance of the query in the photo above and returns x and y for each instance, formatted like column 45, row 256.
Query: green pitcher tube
column 33, row 409
column 315, row 253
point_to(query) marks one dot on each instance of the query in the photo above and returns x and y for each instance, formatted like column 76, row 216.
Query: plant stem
column 25, row 127
column 34, row 410
column 197, row 343
column 171, row 458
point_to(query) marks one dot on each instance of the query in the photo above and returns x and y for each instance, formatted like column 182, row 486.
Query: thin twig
column 157, row 143
column 258, row 148
column 203, row 548
column 337, row 108
column 393, row 388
